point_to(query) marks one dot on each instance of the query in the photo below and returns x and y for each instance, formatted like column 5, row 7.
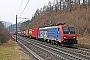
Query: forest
column 73, row 12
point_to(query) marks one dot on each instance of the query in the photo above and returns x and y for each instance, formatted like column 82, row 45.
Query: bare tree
column 44, row 8
column 60, row 3
column 4, row 34
column 37, row 13
column 50, row 7
column 83, row 1
column 77, row 3
column 88, row 3
column 84, row 4
column 69, row 4
column 57, row 5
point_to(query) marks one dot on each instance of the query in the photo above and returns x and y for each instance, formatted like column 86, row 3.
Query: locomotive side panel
column 50, row 33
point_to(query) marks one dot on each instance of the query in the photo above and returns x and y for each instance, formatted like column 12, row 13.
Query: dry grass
column 12, row 51
column 8, row 52
column 84, row 42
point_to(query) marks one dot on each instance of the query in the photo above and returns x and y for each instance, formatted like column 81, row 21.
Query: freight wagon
column 32, row 33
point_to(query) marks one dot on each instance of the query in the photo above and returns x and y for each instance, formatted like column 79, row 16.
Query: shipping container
column 30, row 33
column 27, row 33
column 35, row 32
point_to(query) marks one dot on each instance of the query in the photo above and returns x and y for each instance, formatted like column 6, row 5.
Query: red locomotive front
column 69, row 35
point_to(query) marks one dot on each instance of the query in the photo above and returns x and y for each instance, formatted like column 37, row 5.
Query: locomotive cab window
column 68, row 30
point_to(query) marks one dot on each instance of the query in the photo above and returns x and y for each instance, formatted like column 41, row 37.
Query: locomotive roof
column 57, row 26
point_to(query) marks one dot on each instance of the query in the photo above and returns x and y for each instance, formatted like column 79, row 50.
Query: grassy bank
column 83, row 42
column 8, row 52
column 12, row 51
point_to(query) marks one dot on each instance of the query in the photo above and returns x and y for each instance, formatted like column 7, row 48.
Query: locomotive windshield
column 68, row 30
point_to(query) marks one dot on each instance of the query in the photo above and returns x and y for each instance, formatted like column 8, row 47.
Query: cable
column 23, row 19
column 20, row 6
column 24, row 8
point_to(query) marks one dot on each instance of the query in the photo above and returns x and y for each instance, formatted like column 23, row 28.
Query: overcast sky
column 9, row 9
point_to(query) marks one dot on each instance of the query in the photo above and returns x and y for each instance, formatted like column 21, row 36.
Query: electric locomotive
column 61, row 34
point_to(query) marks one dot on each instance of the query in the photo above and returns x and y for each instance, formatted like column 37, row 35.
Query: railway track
column 57, row 53
column 30, row 52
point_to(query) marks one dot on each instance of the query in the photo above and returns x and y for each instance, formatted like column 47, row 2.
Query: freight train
column 60, row 35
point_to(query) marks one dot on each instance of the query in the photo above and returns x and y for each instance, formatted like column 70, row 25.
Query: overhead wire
column 23, row 19
column 24, row 8
column 20, row 6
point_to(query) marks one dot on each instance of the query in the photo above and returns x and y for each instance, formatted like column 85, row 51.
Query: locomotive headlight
column 65, row 37
column 74, row 37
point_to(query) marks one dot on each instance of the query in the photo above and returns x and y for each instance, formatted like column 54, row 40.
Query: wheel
column 52, row 42
column 43, row 40
column 47, row 40
column 30, row 37
column 57, row 43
